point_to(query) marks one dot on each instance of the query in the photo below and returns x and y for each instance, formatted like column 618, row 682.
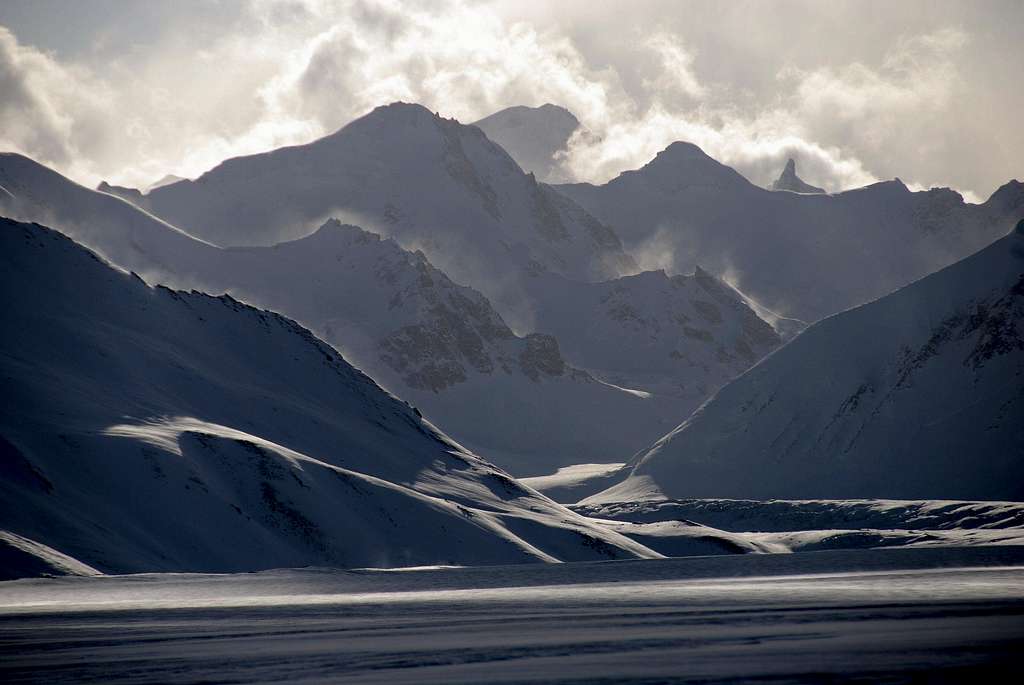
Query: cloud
column 891, row 114
column 757, row 147
column 627, row 135
column 675, row 77
column 917, row 80
column 55, row 113
column 136, row 122
column 288, row 71
column 464, row 61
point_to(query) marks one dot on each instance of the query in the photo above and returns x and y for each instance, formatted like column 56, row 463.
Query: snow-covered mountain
column 534, row 136
column 430, row 183
column 150, row 429
column 800, row 256
column 917, row 395
column 443, row 347
column 125, row 235
column 680, row 337
column 788, row 180
column 404, row 172
column 435, row 343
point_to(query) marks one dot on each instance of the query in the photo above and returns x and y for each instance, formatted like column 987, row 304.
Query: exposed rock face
column 678, row 337
column 788, row 180
column 541, row 357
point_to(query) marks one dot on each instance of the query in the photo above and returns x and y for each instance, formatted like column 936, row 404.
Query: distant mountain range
column 433, row 342
column 797, row 257
column 800, row 256
column 148, row 429
column 600, row 388
column 430, row 183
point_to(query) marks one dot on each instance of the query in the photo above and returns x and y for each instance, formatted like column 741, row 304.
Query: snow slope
column 788, row 180
column 533, row 136
column 150, row 429
column 919, row 394
column 24, row 558
column 801, row 256
column 679, row 337
column 430, row 183
column 127, row 236
column 438, row 344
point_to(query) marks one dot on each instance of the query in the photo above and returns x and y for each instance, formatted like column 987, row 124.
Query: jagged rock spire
column 788, row 180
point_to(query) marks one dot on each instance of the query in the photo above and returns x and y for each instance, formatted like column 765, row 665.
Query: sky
column 925, row 90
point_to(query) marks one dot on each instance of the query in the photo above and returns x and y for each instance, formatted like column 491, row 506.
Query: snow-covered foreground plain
column 943, row 614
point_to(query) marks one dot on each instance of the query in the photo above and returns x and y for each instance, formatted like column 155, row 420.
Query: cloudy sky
column 927, row 90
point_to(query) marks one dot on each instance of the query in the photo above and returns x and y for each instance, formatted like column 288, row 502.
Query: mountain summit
column 428, row 182
column 533, row 136
column 788, row 180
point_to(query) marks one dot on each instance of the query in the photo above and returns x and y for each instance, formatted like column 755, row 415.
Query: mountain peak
column 402, row 106
column 553, row 108
column 333, row 227
column 683, row 164
column 395, row 114
column 533, row 136
column 788, row 180
column 523, row 114
column 1008, row 197
column 682, row 149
